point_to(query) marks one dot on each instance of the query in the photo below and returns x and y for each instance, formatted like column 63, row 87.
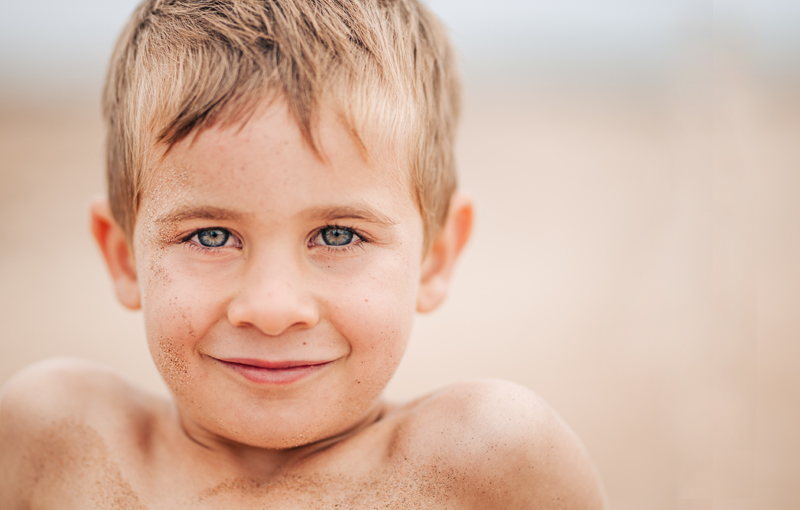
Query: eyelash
column 358, row 242
column 194, row 243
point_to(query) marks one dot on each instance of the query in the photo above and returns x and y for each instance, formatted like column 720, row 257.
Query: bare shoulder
column 67, row 388
column 503, row 445
column 59, row 395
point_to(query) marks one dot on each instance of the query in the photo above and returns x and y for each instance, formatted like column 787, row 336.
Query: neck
column 239, row 460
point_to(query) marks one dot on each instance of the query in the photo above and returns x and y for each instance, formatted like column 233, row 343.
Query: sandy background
column 635, row 261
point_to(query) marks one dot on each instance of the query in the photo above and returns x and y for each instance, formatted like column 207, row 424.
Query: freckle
column 366, row 300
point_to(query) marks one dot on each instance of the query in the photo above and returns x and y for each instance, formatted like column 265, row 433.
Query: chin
column 278, row 428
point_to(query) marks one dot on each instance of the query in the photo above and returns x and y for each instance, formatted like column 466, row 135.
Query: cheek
column 170, row 333
column 172, row 308
column 177, row 298
column 375, row 312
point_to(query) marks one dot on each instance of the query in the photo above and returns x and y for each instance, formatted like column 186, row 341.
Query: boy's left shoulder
column 502, row 446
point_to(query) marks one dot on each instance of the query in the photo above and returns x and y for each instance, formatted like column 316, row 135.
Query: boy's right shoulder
column 66, row 389
column 62, row 392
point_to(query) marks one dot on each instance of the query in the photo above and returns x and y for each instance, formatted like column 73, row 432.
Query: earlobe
column 437, row 268
column 117, row 253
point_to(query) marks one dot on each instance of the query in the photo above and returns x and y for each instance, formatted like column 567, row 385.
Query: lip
column 273, row 372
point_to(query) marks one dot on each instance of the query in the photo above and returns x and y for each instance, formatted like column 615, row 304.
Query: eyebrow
column 318, row 213
column 351, row 213
column 198, row 213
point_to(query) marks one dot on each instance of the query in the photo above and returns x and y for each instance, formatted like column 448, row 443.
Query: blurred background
column 636, row 167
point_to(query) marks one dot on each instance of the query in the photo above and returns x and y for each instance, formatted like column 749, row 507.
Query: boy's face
column 278, row 290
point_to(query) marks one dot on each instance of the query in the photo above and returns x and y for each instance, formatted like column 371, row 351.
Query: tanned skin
column 278, row 289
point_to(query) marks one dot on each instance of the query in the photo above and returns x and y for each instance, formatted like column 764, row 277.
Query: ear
column 440, row 261
column 117, row 253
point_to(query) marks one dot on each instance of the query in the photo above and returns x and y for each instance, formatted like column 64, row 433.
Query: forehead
column 267, row 158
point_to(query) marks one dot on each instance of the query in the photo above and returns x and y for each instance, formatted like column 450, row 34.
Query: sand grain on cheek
column 165, row 320
column 167, row 329
column 169, row 352
column 172, row 365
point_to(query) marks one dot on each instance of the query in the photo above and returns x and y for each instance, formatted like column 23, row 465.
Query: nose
column 273, row 298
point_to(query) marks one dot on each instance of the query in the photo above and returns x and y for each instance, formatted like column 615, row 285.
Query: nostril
column 273, row 313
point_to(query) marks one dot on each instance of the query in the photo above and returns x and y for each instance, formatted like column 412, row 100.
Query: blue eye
column 213, row 237
column 335, row 236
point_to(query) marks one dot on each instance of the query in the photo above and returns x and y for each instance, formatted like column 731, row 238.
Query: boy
column 281, row 200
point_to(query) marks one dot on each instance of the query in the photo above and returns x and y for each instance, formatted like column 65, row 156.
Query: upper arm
column 12, row 445
column 543, row 463
column 513, row 450
column 22, row 416
column 32, row 403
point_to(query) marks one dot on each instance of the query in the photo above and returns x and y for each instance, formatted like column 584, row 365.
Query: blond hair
column 182, row 66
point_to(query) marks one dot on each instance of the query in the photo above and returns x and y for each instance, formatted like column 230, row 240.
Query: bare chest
column 387, row 489
column 79, row 471
column 109, row 489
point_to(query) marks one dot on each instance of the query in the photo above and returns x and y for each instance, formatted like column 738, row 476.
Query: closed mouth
column 273, row 372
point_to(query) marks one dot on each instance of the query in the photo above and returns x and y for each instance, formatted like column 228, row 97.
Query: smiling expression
column 278, row 287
